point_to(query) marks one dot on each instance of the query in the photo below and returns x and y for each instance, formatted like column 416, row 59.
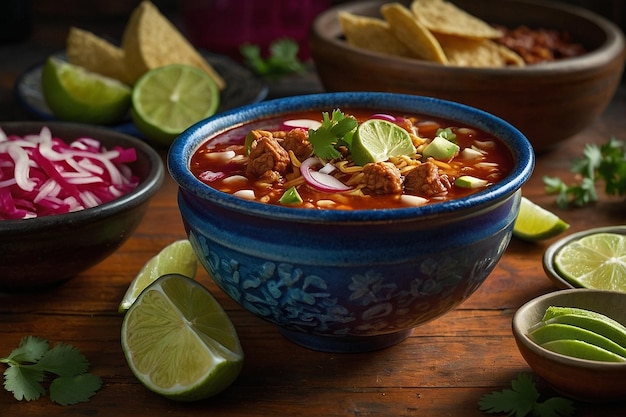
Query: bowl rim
column 144, row 191
column 552, row 250
column 614, row 45
column 520, row 334
column 188, row 142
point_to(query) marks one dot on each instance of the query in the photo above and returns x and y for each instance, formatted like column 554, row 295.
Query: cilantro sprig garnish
column 605, row 163
column 33, row 362
column 282, row 60
column 523, row 399
column 334, row 131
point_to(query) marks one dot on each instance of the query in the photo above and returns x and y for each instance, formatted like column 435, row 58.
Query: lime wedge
column 557, row 331
column 536, row 223
column 179, row 342
column 590, row 320
column 595, row 261
column 167, row 100
column 176, row 258
column 377, row 140
column 582, row 350
column 77, row 95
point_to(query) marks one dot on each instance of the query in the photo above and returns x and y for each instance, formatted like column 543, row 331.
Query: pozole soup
column 351, row 159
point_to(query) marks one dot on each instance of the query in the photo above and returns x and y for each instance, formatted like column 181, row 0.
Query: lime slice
column 557, row 331
column 595, row 261
column 536, row 223
column 175, row 258
column 376, row 140
column 590, row 320
column 179, row 342
column 77, row 95
column 582, row 350
column 167, row 100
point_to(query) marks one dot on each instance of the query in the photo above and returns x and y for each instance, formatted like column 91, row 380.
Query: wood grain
column 442, row 369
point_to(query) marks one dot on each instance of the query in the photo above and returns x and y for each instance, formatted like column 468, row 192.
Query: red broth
column 221, row 162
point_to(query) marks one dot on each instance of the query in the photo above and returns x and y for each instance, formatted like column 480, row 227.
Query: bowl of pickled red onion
column 70, row 195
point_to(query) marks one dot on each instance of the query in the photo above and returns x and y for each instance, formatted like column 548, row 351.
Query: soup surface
column 351, row 159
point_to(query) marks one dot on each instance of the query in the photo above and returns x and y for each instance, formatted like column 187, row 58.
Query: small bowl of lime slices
column 576, row 341
column 594, row 259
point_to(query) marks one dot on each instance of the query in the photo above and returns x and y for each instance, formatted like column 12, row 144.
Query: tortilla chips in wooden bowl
column 469, row 52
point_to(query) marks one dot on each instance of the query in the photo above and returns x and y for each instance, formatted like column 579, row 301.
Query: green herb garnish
column 334, row 131
column 523, row 400
column 33, row 361
column 599, row 163
column 283, row 58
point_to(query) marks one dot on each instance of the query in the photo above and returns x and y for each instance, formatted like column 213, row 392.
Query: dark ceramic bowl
column 552, row 250
column 37, row 253
column 580, row 379
column 549, row 103
column 341, row 280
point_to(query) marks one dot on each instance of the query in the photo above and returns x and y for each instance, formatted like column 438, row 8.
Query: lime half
column 377, row 140
column 179, row 342
column 595, row 261
column 167, row 100
column 536, row 223
column 176, row 258
column 77, row 95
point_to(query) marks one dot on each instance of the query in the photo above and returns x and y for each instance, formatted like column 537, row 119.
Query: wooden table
column 442, row 369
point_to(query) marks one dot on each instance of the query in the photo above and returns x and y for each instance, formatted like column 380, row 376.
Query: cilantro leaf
column 24, row 383
column 555, row 407
column 523, row 400
column 63, row 360
column 283, row 58
column 68, row 390
column 30, row 349
column 32, row 361
column 605, row 163
column 335, row 130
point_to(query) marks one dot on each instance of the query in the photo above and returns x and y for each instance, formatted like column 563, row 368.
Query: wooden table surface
column 442, row 369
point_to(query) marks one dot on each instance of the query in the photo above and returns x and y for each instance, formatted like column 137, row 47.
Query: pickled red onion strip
column 42, row 175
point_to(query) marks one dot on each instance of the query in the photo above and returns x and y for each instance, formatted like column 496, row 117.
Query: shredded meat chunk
column 297, row 141
column 382, row 178
column 425, row 180
column 266, row 155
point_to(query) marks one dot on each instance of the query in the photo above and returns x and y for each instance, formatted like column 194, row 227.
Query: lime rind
column 582, row 350
column 592, row 321
column 549, row 332
column 179, row 342
column 176, row 258
column 534, row 222
column 75, row 94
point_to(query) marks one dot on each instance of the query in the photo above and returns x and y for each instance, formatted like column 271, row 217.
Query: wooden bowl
column 549, row 102
column 581, row 379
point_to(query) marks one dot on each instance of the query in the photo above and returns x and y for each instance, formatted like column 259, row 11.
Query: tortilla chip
column 96, row 54
column 412, row 33
column 468, row 52
column 150, row 41
column 372, row 34
column 440, row 16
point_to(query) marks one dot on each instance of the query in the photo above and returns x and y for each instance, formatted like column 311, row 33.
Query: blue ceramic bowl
column 349, row 281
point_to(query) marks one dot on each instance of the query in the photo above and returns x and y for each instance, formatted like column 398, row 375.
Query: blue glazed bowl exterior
column 349, row 280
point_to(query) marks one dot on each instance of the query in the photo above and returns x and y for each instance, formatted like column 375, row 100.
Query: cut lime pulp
column 167, row 100
column 179, row 342
column 536, row 223
column 595, row 261
column 377, row 140
column 77, row 95
column 176, row 258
